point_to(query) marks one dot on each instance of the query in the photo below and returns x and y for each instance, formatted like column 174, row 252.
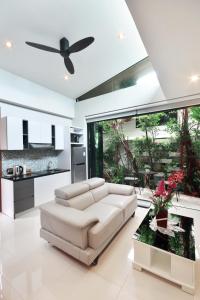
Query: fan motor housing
column 64, row 45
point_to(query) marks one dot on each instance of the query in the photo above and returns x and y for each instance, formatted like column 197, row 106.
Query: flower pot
column 162, row 217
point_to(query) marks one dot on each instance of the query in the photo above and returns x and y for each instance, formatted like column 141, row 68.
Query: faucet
column 49, row 166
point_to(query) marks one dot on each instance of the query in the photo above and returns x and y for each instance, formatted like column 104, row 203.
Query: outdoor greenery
column 181, row 149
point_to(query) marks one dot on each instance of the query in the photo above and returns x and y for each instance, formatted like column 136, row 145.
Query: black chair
column 133, row 180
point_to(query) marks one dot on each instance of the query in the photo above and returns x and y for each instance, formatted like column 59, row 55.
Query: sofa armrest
column 68, row 215
column 67, row 223
column 120, row 189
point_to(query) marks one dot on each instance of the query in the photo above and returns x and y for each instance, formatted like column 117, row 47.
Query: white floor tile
column 31, row 269
column 146, row 286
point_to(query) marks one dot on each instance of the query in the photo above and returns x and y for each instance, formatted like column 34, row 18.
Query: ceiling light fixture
column 194, row 78
column 8, row 44
column 121, row 35
column 66, row 77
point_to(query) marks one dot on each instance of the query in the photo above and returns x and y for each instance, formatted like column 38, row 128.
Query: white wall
column 18, row 90
column 146, row 91
column 25, row 113
column 143, row 97
column 131, row 132
column 24, row 92
column 170, row 33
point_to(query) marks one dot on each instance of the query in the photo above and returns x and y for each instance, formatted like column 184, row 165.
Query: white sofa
column 85, row 217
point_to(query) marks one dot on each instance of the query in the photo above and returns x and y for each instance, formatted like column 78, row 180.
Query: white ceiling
column 170, row 31
column 47, row 21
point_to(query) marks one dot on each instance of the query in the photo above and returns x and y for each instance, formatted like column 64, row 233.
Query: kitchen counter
column 35, row 174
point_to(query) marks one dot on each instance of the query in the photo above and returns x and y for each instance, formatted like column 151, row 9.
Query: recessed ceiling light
column 8, row 44
column 194, row 78
column 66, row 77
column 121, row 35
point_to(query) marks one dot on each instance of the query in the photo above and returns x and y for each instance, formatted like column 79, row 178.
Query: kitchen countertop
column 35, row 174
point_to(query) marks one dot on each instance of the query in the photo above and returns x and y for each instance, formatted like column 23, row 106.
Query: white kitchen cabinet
column 11, row 133
column 7, row 197
column 39, row 132
column 45, row 133
column 34, row 132
column 59, row 137
column 45, row 186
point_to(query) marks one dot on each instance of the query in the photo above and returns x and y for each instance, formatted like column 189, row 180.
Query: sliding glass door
column 152, row 145
column 95, row 150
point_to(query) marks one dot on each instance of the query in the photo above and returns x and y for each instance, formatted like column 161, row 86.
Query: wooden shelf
column 77, row 133
column 76, row 143
column 76, row 129
column 76, row 136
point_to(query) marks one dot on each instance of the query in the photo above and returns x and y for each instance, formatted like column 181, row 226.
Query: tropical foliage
column 181, row 149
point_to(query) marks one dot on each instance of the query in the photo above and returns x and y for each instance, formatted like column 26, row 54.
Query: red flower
column 162, row 195
column 176, row 176
column 160, row 190
column 172, row 185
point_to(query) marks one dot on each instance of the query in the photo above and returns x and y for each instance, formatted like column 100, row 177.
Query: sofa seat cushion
column 72, row 190
column 125, row 203
column 110, row 219
column 94, row 182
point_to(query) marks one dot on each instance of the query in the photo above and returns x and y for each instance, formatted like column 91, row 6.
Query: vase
column 162, row 218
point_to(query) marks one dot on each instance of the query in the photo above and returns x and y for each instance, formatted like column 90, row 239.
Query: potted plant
column 163, row 196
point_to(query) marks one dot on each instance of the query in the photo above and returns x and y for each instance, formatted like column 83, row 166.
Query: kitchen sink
column 54, row 170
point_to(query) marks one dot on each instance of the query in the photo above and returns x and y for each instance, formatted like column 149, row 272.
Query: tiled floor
column 31, row 269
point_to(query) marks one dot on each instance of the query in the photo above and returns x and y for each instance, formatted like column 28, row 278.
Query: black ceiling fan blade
column 69, row 65
column 80, row 45
column 43, row 47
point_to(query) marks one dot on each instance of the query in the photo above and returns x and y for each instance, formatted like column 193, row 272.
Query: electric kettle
column 18, row 170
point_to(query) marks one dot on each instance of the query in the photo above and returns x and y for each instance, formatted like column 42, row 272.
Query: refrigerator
column 78, row 163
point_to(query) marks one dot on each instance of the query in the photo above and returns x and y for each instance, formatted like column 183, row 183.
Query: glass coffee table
column 172, row 257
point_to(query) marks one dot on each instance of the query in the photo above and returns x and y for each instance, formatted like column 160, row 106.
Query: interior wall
column 145, row 91
column 26, row 113
column 21, row 91
column 36, row 160
column 170, row 32
column 131, row 131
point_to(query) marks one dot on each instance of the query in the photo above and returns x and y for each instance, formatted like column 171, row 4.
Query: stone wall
column 36, row 160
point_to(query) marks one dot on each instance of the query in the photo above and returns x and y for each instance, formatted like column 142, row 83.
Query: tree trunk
column 188, row 159
column 149, row 149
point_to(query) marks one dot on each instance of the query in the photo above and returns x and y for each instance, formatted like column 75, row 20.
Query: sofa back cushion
column 69, row 191
column 82, row 201
column 120, row 189
column 61, row 201
column 95, row 182
column 99, row 192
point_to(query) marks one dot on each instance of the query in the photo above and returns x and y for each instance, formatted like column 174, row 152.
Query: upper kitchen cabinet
column 39, row 133
column 45, row 133
column 59, row 137
column 11, row 134
column 18, row 134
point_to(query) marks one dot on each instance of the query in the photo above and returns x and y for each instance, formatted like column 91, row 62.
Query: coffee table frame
column 172, row 267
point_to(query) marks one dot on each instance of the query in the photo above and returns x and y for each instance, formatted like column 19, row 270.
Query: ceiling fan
column 66, row 50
